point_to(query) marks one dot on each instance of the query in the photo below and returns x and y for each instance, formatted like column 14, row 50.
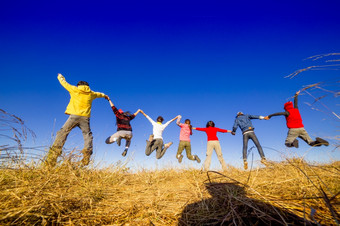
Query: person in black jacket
column 124, row 129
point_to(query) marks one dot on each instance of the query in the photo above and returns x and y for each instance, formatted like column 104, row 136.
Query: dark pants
column 252, row 136
column 156, row 144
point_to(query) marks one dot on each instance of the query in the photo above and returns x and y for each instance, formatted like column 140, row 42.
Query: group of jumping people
column 79, row 111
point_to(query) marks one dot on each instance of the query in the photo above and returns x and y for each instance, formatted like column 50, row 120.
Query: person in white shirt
column 155, row 141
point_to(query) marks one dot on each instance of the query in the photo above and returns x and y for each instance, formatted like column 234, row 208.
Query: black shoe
column 118, row 141
column 197, row 159
column 295, row 143
column 124, row 152
column 320, row 141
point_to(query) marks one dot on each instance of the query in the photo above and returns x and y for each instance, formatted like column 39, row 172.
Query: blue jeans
column 251, row 135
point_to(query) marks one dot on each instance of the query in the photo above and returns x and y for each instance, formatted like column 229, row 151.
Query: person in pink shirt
column 213, row 144
column 184, row 140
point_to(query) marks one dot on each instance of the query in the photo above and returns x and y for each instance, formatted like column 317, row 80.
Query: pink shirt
column 184, row 135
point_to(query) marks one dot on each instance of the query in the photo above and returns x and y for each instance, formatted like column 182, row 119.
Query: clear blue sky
column 203, row 60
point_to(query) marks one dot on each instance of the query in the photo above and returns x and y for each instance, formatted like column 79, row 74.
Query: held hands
column 107, row 97
column 233, row 133
column 297, row 93
column 266, row 118
column 141, row 111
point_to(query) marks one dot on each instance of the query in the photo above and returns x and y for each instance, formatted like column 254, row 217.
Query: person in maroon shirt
column 295, row 126
column 124, row 129
column 213, row 144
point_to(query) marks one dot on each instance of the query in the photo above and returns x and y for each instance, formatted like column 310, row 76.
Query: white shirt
column 158, row 128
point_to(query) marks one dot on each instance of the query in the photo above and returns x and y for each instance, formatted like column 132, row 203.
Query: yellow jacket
column 81, row 98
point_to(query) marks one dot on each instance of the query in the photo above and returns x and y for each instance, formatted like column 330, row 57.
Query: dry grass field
column 291, row 192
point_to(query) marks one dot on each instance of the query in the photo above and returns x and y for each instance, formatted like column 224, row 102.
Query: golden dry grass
column 281, row 193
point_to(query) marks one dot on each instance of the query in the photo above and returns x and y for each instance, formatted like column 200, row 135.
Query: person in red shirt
column 295, row 126
column 213, row 144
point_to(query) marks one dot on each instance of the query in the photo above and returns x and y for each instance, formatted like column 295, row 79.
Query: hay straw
column 282, row 193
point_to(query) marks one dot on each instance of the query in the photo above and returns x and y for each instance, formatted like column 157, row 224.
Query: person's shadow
column 229, row 205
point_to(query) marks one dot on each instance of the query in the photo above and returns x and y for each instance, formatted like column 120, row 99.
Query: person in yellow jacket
column 79, row 109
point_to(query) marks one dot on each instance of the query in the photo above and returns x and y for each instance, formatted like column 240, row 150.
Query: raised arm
column 170, row 121
column 148, row 118
column 136, row 113
column 296, row 99
column 178, row 122
column 111, row 104
column 65, row 84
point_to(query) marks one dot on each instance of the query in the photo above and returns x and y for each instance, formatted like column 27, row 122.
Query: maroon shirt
column 123, row 121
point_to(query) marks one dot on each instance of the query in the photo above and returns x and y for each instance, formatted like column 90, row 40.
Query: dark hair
column 160, row 119
column 127, row 113
column 190, row 126
column 82, row 83
column 210, row 124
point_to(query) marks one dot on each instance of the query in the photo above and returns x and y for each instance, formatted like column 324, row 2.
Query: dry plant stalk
column 282, row 193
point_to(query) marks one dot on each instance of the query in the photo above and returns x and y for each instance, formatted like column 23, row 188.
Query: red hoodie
column 294, row 119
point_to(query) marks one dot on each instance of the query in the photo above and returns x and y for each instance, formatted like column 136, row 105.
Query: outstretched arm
column 256, row 117
column 136, row 113
column 223, row 130
column 286, row 113
column 199, row 129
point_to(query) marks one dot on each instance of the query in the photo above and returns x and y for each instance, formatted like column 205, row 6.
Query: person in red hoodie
column 213, row 144
column 295, row 126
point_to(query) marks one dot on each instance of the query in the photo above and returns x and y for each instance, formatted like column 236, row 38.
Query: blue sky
column 203, row 60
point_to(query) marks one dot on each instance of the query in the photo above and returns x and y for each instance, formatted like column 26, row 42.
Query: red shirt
column 212, row 131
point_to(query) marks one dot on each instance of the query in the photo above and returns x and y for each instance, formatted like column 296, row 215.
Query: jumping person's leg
column 127, row 137
column 150, row 147
column 210, row 148
column 245, row 146
column 305, row 137
column 188, row 150
column 56, row 149
column 180, row 149
column 113, row 138
column 245, row 149
column 219, row 155
column 84, row 125
column 253, row 137
column 160, row 150
column 291, row 137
